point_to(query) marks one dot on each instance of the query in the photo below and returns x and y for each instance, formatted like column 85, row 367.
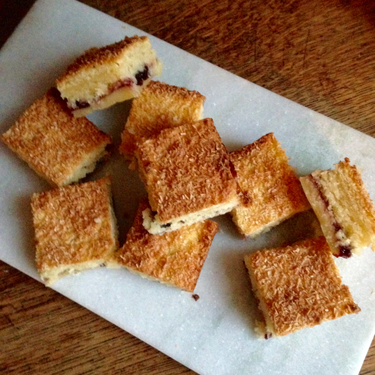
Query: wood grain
column 318, row 53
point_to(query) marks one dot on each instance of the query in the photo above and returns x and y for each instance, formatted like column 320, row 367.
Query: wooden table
column 318, row 53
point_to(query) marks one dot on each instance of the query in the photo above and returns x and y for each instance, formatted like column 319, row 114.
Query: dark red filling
column 81, row 104
column 127, row 82
column 140, row 77
column 345, row 251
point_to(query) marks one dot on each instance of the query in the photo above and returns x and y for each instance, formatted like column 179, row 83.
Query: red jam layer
column 345, row 251
column 140, row 77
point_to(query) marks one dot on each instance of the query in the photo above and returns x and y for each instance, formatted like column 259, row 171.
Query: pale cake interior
column 268, row 181
column 297, row 286
column 343, row 208
column 174, row 258
column 58, row 147
column 75, row 229
column 126, row 66
column 117, row 96
column 154, row 225
column 187, row 174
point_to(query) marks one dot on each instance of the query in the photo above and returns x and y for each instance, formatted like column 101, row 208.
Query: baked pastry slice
column 104, row 76
column 297, row 286
column 270, row 185
column 158, row 107
column 75, row 229
column 188, row 176
column 174, row 258
column 57, row 146
column 343, row 207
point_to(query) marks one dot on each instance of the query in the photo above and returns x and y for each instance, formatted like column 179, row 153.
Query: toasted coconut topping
column 175, row 258
column 75, row 228
column 104, row 55
column 59, row 147
column 298, row 286
column 270, row 183
column 186, row 169
column 160, row 106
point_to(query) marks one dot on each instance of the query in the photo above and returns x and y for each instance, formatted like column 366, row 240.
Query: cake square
column 175, row 258
column 75, row 228
column 269, row 185
column 158, row 107
column 298, row 286
column 343, row 207
column 188, row 176
column 58, row 147
column 104, row 76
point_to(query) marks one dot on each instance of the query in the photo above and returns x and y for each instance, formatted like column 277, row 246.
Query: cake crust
column 175, row 258
column 104, row 76
column 343, row 207
column 57, row 146
column 266, row 178
column 186, row 170
column 103, row 55
column 159, row 106
column 75, row 228
column 298, row 286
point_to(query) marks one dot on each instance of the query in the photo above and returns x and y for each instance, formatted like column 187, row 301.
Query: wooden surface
column 318, row 53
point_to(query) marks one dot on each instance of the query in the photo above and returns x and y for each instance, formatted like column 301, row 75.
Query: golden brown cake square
column 158, row 107
column 104, row 76
column 343, row 207
column 270, row 185
column 298, row 286
column 75, row 228
column 57, row 146
column 188, row 176
column 175, row 258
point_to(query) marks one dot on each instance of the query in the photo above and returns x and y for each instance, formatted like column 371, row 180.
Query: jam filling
column 140, row 77
column 127, row 82
column 80, row 104
column 345, row 251
column 167, row 225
